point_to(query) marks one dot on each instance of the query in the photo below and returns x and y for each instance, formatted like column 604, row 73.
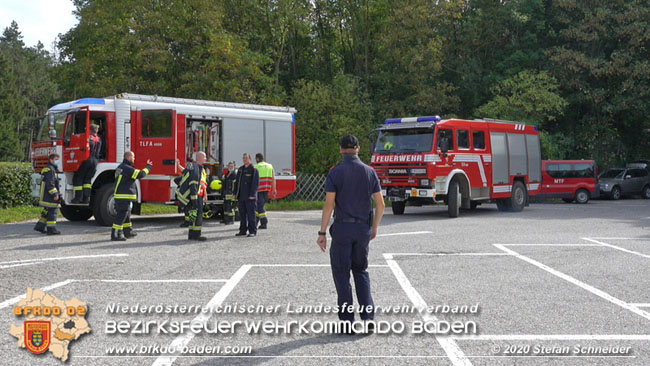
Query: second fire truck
column 463, row 163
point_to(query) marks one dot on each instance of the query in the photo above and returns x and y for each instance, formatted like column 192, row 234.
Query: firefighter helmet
column 215, row 185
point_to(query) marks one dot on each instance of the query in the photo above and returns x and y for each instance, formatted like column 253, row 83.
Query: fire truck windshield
column 404, row 141
column 44, row 127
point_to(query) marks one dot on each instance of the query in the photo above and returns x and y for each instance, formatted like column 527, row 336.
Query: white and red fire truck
column 426, row 160
column 162, row 129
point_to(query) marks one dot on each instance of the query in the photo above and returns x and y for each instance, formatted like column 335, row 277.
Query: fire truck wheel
column 518, row 197
column 616, row 193
column 453, row 199
column 76, row 213
column 646, row 192
column 582, row 196
column 398, row 207
column 103, row 206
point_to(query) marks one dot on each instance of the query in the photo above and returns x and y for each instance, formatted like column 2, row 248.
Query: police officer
column 49, row 198
column 83, row 176
column 248, row 180
column 267, row 183
column 191, row 193
column 229, row 202
column 349, row 187
column 125, row 193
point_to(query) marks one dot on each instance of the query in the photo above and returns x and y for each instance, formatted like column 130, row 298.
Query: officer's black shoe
column 85, row 201
column 78, row 195
column 240, row 234
column 251, row 235
column 263, row 226
column 117, row 235
column 129, row 233
column 185, row 224
column 40, row 227
column 52, row 231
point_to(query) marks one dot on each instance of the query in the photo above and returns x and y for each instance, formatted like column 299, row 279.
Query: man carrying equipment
column 191, row 192
column 49, row 198
column 83, row 176
column 125, row 193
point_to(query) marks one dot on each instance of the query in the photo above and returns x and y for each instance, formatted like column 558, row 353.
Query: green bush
column 15, row 181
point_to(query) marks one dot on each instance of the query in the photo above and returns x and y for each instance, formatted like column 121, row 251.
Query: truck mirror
column 628, row 177
column 52, row 134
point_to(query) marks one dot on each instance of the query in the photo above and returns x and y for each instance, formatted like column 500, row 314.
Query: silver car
column 617, row 182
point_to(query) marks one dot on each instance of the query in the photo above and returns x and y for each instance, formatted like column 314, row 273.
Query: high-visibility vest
column 203, row 191
column 266, row 176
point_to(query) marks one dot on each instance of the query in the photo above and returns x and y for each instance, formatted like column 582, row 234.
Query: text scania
column 397, row 158
column 289, row 327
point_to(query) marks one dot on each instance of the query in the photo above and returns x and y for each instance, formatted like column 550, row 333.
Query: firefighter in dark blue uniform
column 229, row 202
column 349, row 188
column 125, row 193
column 82, row 177
column 248, row 180
column 189, row 194
column 50, row 198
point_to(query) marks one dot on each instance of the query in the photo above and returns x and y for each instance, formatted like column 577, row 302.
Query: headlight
column 424, row 182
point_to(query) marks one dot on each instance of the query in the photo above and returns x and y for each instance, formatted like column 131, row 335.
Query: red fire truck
column 426, row 160
column 162, row 129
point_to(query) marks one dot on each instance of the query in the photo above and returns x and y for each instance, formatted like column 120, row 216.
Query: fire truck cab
column 161, row 129
column 463, row 163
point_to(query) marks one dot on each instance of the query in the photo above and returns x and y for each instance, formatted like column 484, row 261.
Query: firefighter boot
column 86, row 196
column 196, row 235
column 40, row 226
column 78, row 196
column 129, row 233
column 51, row 230
column 117, row 235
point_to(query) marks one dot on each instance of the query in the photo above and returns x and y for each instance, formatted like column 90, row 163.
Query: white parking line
column 455, row 354
column 307, row 265
column 182, row 340
column 554, row 245
column 646, row 305
column 65, row 258
column 578, row 283
column 554, row 337
column 617, row 248
column 406, row 233
column 16, row 299
column 447, row 254
column 19, row 265
column 163, row 281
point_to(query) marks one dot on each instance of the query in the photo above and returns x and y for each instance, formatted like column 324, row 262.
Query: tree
column 326, row 113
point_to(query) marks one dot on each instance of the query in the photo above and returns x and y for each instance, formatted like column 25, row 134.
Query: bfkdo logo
column 51, row 324
column 37, row 336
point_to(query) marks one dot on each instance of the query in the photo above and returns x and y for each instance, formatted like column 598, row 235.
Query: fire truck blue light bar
column 414, row 119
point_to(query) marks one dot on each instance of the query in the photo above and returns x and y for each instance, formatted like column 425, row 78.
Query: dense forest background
column 580, row 70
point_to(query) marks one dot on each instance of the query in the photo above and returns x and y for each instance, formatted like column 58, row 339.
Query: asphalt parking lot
column 549, row 283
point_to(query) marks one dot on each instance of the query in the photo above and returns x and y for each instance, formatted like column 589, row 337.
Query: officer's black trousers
column 123, row 214
column 260, row 213
column 247, row 216
column 349, row 252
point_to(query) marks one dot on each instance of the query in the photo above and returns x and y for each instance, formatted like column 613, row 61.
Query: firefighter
column 349, row 188
column 191, row 192
column 50, row 198
column 229, row 202
column 83, row 176
column 125, row 193
column 267, row 183
column 248, row 179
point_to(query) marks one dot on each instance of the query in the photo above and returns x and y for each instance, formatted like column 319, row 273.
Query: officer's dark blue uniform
column 248, row 180
column 354, row 184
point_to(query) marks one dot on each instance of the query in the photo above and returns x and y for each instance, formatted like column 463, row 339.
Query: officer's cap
column 349, row 142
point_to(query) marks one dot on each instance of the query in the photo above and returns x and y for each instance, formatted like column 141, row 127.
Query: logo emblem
column 37, row 336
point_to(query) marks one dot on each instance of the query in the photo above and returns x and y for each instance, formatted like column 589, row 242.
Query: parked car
column 617, row 182
column 570, row 180
column 644, row 164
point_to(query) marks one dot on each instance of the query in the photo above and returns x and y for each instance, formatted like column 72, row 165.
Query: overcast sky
column 38, row 20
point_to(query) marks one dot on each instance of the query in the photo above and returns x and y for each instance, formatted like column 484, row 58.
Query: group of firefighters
column 246, row 188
